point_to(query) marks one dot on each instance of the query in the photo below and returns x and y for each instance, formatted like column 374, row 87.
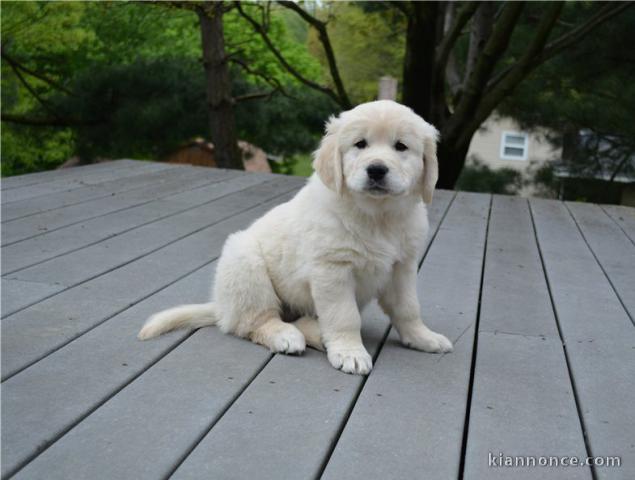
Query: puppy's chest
column 371, row 280
column 374, row 266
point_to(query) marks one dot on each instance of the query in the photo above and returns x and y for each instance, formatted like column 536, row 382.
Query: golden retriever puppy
column 355, row 232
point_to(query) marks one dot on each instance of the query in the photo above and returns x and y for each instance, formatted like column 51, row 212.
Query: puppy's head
column 379, row 149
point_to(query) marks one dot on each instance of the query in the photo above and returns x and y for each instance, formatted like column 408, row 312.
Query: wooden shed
column 198, row 152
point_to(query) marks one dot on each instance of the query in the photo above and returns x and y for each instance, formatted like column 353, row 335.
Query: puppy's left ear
column 327, row 161
column 430, row 164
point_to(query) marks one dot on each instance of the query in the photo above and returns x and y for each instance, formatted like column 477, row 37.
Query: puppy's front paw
column 354, row 360
column 427, row 341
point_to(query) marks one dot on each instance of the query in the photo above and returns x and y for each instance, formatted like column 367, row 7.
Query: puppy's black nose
column 376, row 171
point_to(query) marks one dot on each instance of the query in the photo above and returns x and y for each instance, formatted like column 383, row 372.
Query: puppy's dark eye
column 361, row 144
column 400, row 147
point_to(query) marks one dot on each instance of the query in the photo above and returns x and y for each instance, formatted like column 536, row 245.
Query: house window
column 514, row 146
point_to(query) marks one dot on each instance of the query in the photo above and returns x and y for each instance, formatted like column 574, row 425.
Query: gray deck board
column 153, row 186
column 599, row 336
column 82, row 265
column 286, row 423
column 408, row 419
column 123, row 401
column 538, row 416
column 28, row 179
column 135, row 181
column 88, row 371
column 36, row 331
column 188, row 216
column 624, row 217
column 85, row 233
column 83, row 398
column 614, row 251
column 67, row 184
column 18, row 293
column 211, row 381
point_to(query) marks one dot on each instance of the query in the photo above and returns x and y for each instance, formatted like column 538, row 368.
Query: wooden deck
column 538, row 297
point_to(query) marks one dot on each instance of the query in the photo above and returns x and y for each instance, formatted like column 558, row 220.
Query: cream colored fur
column 335, row 246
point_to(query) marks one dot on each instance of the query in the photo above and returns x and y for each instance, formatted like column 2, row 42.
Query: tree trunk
column 480, row 31
column 451, row 162
column 418, row 71
column 219, row 97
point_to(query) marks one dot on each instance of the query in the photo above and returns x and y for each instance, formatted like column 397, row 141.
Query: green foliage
column 478, row 177
column 147, row 109
column 244, row 43
column 285, row 125
column 299, row 165
column 73, row 44
column 302, row 166
column 140, row 110
column 138, row 85
column 368, row 42
column 545, row 181
column 28, row 149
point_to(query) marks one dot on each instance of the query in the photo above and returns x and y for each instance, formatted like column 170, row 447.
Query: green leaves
column 137, row 80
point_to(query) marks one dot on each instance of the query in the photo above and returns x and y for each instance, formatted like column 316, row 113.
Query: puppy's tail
column 184, row 316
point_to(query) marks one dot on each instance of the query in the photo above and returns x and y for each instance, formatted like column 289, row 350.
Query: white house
column 500, row 142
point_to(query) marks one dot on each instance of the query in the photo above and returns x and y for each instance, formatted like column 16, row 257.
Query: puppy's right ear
column 430, row 164
column 327, row 161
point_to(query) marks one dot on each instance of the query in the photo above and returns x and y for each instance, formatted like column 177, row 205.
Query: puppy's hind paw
column 279, row 337
column 289, row 341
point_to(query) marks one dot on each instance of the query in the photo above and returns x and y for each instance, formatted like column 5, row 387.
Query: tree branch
column 265, row 37
column 605, row 13
column 493, row 50
column 253, row 96
column 328, row 49
column 270, row 80
column 30, row 20
column 453, row 77
column 32, row 90
column 452, row 35
column 481, row 29
column 15, row 64
column 609, row 10
column 520, row 70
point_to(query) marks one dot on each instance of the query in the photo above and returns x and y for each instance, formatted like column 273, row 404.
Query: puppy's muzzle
column 376, row 172
column 376, row 183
